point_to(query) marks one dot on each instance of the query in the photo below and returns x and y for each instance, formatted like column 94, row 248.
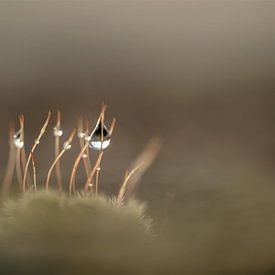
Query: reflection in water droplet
column 57, row 131
column 18, row 139
column 97, row 145
column 98, row 135
column 84, row 156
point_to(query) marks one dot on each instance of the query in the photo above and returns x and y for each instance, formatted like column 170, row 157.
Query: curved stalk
column 42, row 131
column 59, row 156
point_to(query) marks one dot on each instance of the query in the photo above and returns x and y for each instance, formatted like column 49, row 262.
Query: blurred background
column 198, row 74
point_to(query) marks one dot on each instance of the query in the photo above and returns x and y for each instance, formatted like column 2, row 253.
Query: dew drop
column 18, row 139
column 57, row 131
column 67, row 146
column 81, row 134
column 96, row 141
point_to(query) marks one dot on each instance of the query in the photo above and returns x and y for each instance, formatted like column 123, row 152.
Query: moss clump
column 82, row 234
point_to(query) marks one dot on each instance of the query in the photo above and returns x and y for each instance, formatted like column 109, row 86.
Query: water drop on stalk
column 100, row 138
column 57, row 131
column 18, row 139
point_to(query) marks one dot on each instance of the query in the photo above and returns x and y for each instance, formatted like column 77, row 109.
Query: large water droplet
column 100, row 137
column 18, row 139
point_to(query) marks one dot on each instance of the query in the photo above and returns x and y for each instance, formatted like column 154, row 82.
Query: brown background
column 198, row 74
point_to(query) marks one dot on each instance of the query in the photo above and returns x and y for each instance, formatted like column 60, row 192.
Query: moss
column 81, row 234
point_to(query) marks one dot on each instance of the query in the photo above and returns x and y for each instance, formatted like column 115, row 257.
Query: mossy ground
column 55, row 233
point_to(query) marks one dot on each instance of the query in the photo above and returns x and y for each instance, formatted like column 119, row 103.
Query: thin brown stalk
column 42, row 131
column 138, row 168
column 86, row 160
column 80, row 155
column 102, row 127
column 34, row 172
column 123, row 188
column 59, row 156
column 19, row 167
column 98, row 169
column 76, row 164
column 112, row 126
column 97, row 180
column 95, row 168
column 11, row 164
column 57, row 151
column 23, row 151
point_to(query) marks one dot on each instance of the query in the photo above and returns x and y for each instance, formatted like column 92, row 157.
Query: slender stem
column 80, row 155
column 112, row 126
column 138, row 168
column 11, row 164
column 68, row 142
column 86, row 161
column 76, row 164
column 19, row 168
column 123, row 189
column 34, row 173
column 33, row 148
column 97, row 180
column 96, row 166
column 57, row 150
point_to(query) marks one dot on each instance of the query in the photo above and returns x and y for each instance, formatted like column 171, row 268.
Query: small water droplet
column 97, row 142
column 67, row 146
column 84, row 156
column 81, row 134
column 57, row 131
column 18, row 139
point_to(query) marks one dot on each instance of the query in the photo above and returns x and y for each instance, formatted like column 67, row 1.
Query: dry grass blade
column 65, row 148
column 42, row 131
column 138, row 168
column 80, row 155
column 11, row 164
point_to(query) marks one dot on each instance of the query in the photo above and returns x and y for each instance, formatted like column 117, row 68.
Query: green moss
column 81, row 234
